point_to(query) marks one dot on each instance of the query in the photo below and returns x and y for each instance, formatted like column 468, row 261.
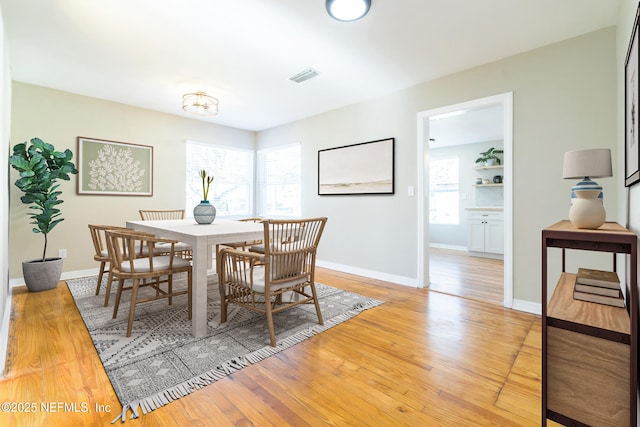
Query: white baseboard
column 445, row 246
column 4, row 335
column 527, row 306
column 486, row 255
column 65, row 275
column 400, row 280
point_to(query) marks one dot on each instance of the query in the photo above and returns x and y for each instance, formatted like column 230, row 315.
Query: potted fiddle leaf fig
column 40, row 167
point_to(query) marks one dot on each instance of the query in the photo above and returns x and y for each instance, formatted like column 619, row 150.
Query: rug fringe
column 151, row 403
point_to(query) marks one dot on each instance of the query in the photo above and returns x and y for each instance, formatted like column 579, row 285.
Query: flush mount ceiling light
column 200, row 103
column 348, row 10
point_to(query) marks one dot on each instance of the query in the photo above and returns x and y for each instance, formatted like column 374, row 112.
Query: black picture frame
column 357, row 169
column 631, row 105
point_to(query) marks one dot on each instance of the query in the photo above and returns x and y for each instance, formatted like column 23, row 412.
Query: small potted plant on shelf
column 489, row 157
column 40, row 167
column 205, row 212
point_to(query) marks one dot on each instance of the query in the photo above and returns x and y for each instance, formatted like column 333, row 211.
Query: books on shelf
column 603, row 279
column 597, row 290
column 600, row 299
column 602, row 287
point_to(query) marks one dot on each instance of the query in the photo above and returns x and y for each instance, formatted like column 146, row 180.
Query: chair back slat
column 149, row 215
column 98, row 238
column 290, row 247
column 125, row 246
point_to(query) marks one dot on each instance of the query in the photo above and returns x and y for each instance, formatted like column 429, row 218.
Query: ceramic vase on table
column 204, row 213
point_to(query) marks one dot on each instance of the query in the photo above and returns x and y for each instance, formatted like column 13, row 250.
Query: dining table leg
column 199, row 290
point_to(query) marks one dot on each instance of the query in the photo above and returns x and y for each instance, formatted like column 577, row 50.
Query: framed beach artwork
column 365, row 168
column 114, row 168
column 631, row 152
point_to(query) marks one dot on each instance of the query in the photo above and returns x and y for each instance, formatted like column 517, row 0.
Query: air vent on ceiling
column 304, row 75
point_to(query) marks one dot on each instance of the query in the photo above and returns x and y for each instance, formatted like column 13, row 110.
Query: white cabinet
column 486, row 232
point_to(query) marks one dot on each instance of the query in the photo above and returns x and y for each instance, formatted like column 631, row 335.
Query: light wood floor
column 421, row 359
column 456, row 273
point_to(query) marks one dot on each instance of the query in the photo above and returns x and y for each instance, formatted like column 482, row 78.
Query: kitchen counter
column 489, row 208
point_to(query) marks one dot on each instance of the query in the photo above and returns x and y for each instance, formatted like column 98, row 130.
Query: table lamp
column 587, row 209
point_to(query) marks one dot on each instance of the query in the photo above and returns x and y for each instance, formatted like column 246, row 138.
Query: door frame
column 506, row 100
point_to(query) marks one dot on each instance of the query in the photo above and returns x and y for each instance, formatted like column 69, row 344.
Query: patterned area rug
column 162, row 362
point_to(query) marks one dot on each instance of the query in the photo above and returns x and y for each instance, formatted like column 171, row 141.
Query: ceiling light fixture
column 348, row 10
column 200, row 103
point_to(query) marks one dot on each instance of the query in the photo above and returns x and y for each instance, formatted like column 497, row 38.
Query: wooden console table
column 589, row 350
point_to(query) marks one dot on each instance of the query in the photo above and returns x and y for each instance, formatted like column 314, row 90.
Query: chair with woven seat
column 183, row 249
column 150, row 271
column 258, row 281
column 102, row 254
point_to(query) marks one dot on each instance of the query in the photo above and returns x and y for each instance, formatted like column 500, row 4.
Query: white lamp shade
column 592, row 163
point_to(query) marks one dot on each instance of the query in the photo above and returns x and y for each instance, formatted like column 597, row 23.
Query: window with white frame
column 444, row 191
column 231, row 191
column 279, row 172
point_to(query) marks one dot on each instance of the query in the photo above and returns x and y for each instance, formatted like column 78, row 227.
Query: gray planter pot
column 42, row 276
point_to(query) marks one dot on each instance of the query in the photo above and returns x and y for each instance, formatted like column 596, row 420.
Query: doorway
column 471, row 109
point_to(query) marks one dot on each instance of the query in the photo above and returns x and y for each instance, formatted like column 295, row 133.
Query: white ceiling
column 148, row 53
column 469, row 126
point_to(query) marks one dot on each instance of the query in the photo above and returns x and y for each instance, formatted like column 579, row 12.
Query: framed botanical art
column 365, row 168
column 631, row 98
column 114, row 168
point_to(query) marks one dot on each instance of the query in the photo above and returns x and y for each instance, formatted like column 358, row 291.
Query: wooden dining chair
column 184, row 250
column 241, row 245
column 151, row 271
column 258, row 282
column 150, row 215
column 101, row 254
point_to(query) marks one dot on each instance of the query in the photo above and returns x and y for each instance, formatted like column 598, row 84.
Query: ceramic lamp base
column 587, row 210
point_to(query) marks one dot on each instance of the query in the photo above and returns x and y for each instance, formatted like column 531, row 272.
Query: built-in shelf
column 488, row 185
column 489, row 167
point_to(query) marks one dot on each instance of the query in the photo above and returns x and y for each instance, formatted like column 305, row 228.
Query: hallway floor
column 457, row 273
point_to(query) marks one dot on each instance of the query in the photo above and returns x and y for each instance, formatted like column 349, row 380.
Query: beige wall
column 564, row 98
column 629, row 201
column 59, row 118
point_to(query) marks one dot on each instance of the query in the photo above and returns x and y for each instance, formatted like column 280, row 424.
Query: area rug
column 162, row 362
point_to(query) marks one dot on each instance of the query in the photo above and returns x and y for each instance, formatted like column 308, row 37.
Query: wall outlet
column 62, row 253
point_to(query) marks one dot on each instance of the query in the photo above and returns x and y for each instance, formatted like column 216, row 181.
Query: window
column 279, row 181
column 231, row 192
column 444, row 191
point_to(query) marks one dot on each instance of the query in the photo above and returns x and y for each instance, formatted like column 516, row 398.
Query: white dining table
column 202, row 238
